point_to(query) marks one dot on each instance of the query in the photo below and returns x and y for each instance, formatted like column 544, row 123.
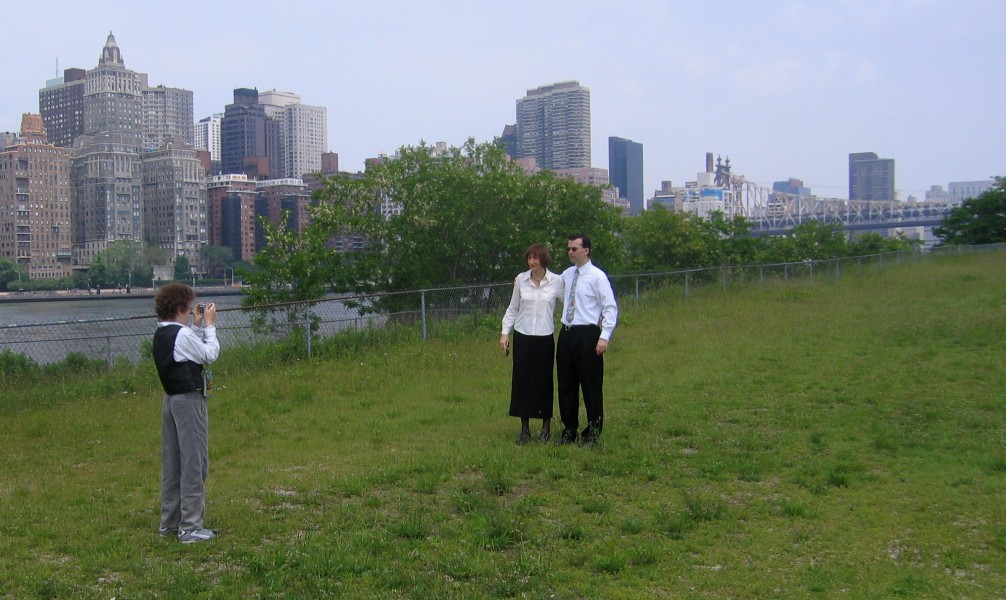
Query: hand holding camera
column 205, row 312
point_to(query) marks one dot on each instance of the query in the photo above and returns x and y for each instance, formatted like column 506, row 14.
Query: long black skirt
column 532, row 387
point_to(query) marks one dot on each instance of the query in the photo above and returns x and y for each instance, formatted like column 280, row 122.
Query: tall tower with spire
column 113, row 97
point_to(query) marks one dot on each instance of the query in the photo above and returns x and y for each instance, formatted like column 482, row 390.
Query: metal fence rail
column 428, row 311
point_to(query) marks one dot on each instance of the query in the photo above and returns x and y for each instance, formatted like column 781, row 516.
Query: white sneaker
column 197, row 535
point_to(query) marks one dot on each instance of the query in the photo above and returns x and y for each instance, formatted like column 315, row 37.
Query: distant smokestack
column 709, row 162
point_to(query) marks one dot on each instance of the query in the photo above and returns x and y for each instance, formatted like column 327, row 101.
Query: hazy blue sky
column 784, row 88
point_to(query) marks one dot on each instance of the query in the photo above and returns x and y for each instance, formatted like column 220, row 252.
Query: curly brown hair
column 171, row 298
column 539, row 251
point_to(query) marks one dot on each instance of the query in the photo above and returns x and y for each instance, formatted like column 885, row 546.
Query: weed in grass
column 497, row 531
column 499, row 482
column 631, row 525
column 411, row 527
column 701, row 507
column 610, row 560
column 673, row 523
column 911, row 585
column 597, row 504
column 572, row 531
column 644, row 554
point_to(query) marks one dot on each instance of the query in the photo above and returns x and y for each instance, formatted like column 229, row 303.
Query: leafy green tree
column 10, row 272
column 980, row 220
column 216, row 259
column 97, row 273
column 461, row 218
column 183, row 270
column 291, row 267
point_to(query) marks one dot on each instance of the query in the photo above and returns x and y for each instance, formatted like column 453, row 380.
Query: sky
column 783, row 88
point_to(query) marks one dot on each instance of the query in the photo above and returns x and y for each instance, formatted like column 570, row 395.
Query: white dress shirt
column 532, row 307
column 195, row 344
column 595, row 300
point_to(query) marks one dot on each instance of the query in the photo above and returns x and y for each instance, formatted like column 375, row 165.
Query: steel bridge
column 777, row 212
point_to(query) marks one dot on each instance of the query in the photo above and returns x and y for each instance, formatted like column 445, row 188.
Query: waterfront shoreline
column 72, row 295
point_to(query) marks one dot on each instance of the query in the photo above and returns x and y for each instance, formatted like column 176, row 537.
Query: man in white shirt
column 589, row 317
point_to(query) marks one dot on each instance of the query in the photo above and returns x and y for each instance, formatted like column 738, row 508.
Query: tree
column 465, row 217
column 10, row 272
column 183, row 271
column 980, row 220
column 216, row 259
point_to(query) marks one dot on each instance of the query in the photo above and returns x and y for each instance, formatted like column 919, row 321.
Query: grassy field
column 832, row 439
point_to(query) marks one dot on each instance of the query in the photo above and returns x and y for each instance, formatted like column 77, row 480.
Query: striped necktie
column 571, row 305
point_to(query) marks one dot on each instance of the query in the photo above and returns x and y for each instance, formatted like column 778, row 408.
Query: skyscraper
column 871, row 177
column 249, row 140
column 167, row 117
column 553, row 126
column 303, row 133
column 174, row 201
column 35, row 203
column 625, row 171
column 207, row 135
column 61, row 104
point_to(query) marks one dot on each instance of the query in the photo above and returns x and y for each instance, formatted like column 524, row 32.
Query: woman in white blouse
column 531, row 316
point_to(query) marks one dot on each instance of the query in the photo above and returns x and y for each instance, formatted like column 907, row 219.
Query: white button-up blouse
column 532, row 307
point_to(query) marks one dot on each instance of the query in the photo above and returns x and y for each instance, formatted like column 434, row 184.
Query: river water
column 113, row 327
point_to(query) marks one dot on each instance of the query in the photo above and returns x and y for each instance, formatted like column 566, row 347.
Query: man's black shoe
column 568, row 437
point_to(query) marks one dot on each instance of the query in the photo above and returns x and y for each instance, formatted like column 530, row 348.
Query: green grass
column 806, row 439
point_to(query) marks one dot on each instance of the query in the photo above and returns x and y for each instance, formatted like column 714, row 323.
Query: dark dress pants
column 579, row 368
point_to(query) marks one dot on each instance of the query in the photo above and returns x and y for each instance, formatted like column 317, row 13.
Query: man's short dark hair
column 171, row 298
column 539, row 251
column 584, row 240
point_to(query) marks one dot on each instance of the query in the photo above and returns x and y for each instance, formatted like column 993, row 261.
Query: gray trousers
column 185, row 460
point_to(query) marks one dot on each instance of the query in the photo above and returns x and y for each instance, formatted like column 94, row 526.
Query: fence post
column 761, row 275
column 785, row 272
column 812, row 270
column 723, row 272
column 307, row 324
column 422, row 305
column 837, row 270
column 637, row 289
column 688, row 278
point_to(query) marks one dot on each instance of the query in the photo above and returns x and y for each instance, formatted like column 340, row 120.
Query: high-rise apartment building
column 249, row 139
column 35, row 203
column 207, row 135
column 553, row 126
column 230, row 214
column 61, row 104
column 174, row 201
column 113, row 98
column 167, row 117
column 276, row 196
column 625, row 170
column 871, row 177
column 303, row 133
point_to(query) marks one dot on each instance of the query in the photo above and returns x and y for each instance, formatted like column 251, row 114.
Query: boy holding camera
column 181, row 354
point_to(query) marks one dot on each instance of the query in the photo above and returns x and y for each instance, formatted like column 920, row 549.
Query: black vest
column 176, row 377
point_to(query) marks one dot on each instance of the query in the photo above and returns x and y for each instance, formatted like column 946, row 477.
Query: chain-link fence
column 427, row 312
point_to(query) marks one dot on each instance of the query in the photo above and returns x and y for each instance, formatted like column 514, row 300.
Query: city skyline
column 785, row 89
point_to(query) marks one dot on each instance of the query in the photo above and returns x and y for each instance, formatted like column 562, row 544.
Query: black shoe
column 523, row 438
column 567, row 437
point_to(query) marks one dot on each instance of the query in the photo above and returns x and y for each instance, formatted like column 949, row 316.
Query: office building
column 791, row 186
column 964, row 190
column 61, row 104
column 553, row 126
column 249, row 139
column 303, row 133
column 625, row 169
column 174, row 202
column 35, row 203
column 871, row 177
